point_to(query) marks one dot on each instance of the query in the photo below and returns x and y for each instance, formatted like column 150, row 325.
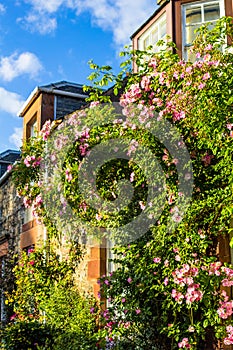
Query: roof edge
column 150, row 18
column 31, row 98
column 51, row 90
column 5, row 176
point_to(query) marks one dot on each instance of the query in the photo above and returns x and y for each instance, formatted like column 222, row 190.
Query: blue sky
column 44, row 41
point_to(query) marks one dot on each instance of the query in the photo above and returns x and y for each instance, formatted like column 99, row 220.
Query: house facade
column 176, row 18
column 54, row 102
column 48, row 102
column 179, row 19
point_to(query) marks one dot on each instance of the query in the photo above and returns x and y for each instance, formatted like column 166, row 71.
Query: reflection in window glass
column 153, row 34
column 190, row 33
column 33, row 131
column 193, row 15
column 163, row 29
column 146, row 43
column 211, row 12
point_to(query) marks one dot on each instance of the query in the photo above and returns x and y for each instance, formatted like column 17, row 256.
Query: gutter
column 5, row 176
column 7, row 173
column 5, row 161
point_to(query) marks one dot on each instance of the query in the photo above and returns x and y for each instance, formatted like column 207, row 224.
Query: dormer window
column 153, row 34
column 194, row 15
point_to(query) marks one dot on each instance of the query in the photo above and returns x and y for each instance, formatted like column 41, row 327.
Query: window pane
column 146, row 43
column 190, row 55
column 154, row 36
column 190, row 35
column 193, row 15
column 33, row 129
column 211, row 12
column 163, row 29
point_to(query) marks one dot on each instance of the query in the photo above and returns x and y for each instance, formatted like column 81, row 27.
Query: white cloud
column 39, row 22
column 2, row 8
column 16, row 137
column 122, row 17
column 49, row 6
column 10, row 102
column 15, row 65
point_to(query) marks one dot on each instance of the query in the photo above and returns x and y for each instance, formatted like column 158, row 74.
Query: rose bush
column 49, row 311
column 169, row 290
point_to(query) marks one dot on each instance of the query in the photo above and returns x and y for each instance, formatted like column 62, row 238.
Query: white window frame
column 149, row 32
column 201, row 4
column 28, row 216
column 110, row 266
column 33, row 129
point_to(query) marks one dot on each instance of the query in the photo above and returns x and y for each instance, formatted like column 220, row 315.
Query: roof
column 6, row 158
column 64, row 88
column 9, row 156
column 5, row 176
column 149, row 19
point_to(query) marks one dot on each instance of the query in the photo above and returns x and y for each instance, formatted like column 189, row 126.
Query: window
column 111, row 266
column 31, row 128
column 28, row 215
column 194, row 15
column 155, row 33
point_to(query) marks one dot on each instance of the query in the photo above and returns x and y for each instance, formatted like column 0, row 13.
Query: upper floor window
column 152, row 35
column 194, row 15
column 31, row 128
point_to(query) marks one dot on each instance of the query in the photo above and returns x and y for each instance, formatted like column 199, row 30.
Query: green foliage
column 26, row 335
column 168, row 289
column 49, row 310
column 69, row 313
column 150, row 305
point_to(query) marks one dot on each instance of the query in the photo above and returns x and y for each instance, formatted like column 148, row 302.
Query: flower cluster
column 184, row 344
column 229, row 339
column 46, row 130
column 184, row 276
column 32, row 161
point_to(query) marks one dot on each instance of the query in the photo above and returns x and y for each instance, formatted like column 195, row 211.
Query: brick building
column 179, row 19
column 48, row 102
column 11, row 220
column 18, row 229
column 53, row 102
